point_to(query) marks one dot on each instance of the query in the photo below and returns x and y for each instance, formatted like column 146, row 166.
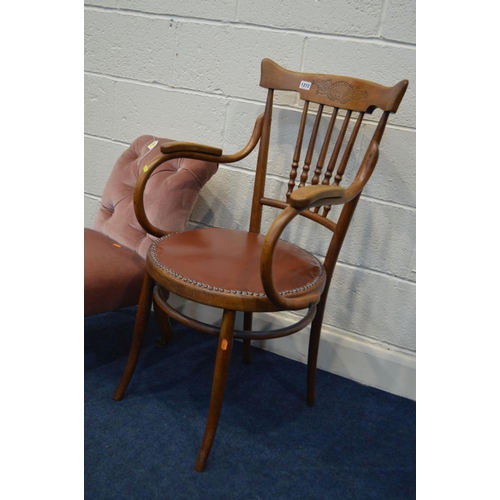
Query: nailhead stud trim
column 152, row 251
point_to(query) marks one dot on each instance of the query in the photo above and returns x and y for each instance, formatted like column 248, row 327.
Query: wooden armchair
column 252, row 272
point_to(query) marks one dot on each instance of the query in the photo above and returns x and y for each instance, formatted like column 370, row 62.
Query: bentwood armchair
column 252, row 272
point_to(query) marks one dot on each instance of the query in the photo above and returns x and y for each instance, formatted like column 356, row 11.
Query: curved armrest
column 315, row 196
column 190, row 150
column 308, row 197
column 302, row 199
column 188, row 147
column 197, row 151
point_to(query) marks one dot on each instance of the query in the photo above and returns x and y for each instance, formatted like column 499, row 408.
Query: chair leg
column 221, row 369
column 141, row 322
column 247, row 343
column 312, row 357
column 165, row 327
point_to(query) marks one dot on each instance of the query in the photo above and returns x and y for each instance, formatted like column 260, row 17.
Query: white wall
column 190, row 70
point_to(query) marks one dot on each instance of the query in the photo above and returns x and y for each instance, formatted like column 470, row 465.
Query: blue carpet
column 355, row 443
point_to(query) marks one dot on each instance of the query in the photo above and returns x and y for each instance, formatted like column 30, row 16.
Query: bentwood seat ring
column 252, row 272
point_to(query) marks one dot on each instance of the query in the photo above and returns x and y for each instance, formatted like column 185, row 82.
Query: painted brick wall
column 190, row 70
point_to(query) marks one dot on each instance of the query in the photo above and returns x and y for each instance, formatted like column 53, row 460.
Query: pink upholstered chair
column 116, row 248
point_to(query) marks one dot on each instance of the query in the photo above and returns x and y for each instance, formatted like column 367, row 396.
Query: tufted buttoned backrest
column 169, row 197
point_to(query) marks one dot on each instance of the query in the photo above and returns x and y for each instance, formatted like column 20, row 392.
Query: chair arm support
column 302, row 199
column 364, row 173
column 266, row 261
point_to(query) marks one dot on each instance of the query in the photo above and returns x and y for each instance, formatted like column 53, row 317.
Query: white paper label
column 305, row 85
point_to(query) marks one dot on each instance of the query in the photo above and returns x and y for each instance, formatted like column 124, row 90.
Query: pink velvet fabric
column 115, row 250
column 113, row 274
column 169, row 197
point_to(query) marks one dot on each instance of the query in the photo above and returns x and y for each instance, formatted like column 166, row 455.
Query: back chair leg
column 141, row 322
column 165, row 327
column 247, row 343
column 221, row 369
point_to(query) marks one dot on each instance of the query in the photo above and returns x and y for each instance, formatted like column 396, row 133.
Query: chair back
column 337, row 107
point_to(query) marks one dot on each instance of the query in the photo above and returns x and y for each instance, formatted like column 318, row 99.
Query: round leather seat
column 216, row 261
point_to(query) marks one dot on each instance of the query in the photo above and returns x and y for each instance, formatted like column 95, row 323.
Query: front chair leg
column 141, row 322
column 221, row 369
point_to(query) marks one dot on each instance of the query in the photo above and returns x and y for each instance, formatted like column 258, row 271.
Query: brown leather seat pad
column 230, row 260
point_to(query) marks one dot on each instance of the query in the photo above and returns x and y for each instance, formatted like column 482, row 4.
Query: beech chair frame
column 346, row 97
